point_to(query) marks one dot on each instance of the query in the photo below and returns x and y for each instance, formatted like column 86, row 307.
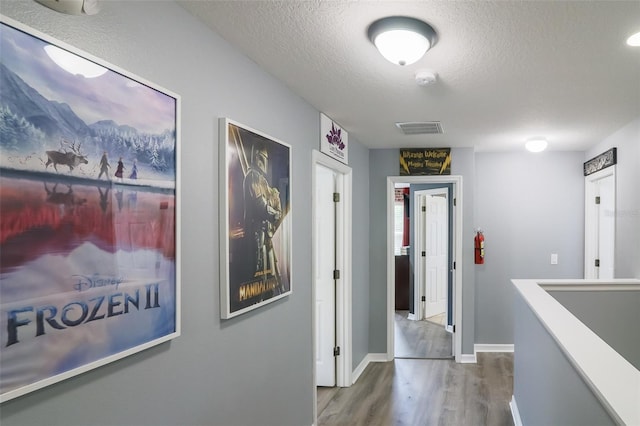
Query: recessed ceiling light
column 401, row 39
column 536, row 145
column 634, row 40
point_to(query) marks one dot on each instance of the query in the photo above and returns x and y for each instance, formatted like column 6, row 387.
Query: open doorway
column 453, row 314
column 423, row 248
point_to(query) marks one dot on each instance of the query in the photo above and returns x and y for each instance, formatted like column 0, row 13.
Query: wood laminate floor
column 424, row 392
column 421, row 339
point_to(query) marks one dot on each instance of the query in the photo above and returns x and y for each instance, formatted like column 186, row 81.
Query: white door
column 606, row 231
column 325, row 253
column 600, row 213
column 436, row 254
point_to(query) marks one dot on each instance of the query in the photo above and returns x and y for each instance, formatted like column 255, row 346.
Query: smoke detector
column 426, row 77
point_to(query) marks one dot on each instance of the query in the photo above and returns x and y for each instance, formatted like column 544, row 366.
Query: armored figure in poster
column 262, row 216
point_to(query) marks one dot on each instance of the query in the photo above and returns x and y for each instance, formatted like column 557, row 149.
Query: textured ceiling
column 507, row 70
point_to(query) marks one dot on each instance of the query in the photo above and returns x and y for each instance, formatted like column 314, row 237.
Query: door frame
column 591, row 219
column 419, row 289
column 456, row 180
column 344, row 265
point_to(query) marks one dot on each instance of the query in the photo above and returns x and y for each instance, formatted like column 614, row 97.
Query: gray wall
column 613, row 315
column 383, row 163
column 546, row 387
column 359, row 161
column 529, row 206
column 627, row 251
column 255, row 369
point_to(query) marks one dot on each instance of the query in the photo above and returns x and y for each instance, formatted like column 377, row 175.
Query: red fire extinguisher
column 479, row 247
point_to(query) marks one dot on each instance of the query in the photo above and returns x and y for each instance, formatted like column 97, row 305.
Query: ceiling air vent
column 420, row 127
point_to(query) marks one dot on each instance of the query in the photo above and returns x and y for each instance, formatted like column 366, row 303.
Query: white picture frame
column 255, row 219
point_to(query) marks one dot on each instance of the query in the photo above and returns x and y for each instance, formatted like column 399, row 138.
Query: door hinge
column 454, row 202
column 454, row 328
column 424, row 254
column 336, row 274
column 424, row 209
column 424, row 298
column 336, row 197
column 597, row 263
column 454, row 265
column 597, row 200
column 336, row 351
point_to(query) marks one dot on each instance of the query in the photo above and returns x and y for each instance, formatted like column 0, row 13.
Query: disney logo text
column 86, row 282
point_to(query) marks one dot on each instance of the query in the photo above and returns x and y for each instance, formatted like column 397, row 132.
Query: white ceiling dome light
column 401, row 39
column 536, row 144
column 73, row 7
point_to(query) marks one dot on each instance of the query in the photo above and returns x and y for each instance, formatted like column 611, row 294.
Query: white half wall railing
column 557, row 356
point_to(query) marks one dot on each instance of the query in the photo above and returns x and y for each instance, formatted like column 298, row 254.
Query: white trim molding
column 484, row 347
column 591, row 223
column 344, row 294
column 456, row 180
column 613, row 379
column 364, row 363
column 468, row 359
column 343, row 256
column 515, row 414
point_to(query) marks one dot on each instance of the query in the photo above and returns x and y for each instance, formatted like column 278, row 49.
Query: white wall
column 255, row 369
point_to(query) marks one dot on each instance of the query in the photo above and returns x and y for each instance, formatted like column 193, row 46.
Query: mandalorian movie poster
column 256, row 264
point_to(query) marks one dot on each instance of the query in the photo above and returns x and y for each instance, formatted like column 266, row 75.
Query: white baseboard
column 448, row 328
column 517, row 421
column 483, row 347
column 468, row 359
column 412, row 317
column 363, row 364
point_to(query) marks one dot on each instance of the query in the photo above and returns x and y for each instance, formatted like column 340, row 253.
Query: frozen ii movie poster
column 88, row 230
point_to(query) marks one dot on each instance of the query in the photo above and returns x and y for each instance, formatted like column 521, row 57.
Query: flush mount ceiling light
column 634, row 40
column 73, row 7
column 74, row 64
column 536, row 145
column 401, row 39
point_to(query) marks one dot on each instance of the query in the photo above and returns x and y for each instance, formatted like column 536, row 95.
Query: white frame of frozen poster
column 255, row 219
column 119, row 266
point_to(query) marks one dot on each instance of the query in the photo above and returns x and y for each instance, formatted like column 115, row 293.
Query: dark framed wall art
column 89, row 202
column 255, row 219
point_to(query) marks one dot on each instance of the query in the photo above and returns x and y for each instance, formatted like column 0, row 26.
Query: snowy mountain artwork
column 44, row 108
column 89, row 244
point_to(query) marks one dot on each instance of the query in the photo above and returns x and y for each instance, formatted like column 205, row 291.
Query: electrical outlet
column 554, row 258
